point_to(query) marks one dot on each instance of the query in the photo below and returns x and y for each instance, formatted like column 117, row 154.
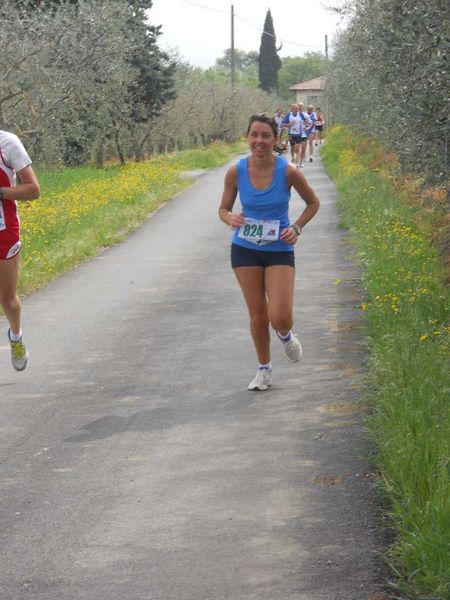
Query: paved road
column 135, row 465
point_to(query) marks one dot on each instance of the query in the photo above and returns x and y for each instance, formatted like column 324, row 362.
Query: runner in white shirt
column 293, row 121
column 278, row 116
column 304, row 137
column 14, row 161
column 311, row 130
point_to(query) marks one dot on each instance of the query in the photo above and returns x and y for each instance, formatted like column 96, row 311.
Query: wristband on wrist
column 297, row 228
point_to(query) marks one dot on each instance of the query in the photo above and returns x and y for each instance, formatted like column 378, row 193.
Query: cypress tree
column 269, row 61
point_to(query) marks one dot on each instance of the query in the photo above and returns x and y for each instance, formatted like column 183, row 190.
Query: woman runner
column 320, row 122
column 262, row 250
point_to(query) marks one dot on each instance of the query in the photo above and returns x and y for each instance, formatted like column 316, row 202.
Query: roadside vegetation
column 392, row 220
column 85, row 209
column 388, row 78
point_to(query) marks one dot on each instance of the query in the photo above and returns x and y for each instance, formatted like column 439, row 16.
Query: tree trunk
column 118, row 147
column 100, row 154
column 137, row 148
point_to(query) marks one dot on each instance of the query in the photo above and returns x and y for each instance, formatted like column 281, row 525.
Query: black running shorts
column 244, row 257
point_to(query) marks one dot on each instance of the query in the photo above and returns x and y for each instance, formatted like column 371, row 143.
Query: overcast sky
column 200, row 30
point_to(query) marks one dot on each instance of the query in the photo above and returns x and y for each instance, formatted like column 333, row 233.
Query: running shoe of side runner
column 292, row 348
column 19, row 354
column 262, row 381
column 311, row 159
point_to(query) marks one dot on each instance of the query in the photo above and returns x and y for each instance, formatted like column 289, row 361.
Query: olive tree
column 78, row 78
column 205, row 111
column 389, row 77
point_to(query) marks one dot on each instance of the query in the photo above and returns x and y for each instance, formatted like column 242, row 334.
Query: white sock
column 265, row 367
column 284, row 338
column 15, row 337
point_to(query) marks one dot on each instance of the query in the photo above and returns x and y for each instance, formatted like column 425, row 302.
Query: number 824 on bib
column 259, row 232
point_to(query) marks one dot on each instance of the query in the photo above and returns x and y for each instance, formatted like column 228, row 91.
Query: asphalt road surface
column 136, row 465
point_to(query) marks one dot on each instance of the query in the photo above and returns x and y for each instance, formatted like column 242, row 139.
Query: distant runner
column 293, row 122
column 262, row 250
column 278, row 116
column 320, row 122
column 311, row 130
column 14, row 160
column 304, row 136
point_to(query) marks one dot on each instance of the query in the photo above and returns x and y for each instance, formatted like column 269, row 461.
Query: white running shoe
column 292, row 348
column 262, row 381
column 19, row 354
column 302, row 165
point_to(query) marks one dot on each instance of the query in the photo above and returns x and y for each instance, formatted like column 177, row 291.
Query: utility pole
column 327, row 105
column 232, row 49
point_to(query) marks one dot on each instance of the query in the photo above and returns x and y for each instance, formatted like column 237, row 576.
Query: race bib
column 259, row 232
column 2, row 218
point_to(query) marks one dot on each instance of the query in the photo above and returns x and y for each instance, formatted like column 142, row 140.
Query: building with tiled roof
column 309, row 92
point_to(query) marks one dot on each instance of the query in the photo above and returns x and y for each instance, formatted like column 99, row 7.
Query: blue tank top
column 269, row 204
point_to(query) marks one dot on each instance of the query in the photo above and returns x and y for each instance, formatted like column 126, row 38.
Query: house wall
column 313, row 97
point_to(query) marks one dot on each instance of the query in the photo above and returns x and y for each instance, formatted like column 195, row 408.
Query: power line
column 205, row 7
column 262, row 31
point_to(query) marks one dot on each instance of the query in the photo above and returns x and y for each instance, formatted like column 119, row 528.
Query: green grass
column 59, row 179
column 408, row 381
column 210, row 156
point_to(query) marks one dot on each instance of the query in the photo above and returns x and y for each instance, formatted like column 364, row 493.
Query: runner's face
column 261, row 139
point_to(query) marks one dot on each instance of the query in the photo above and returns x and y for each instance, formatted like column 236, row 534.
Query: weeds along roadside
column 83, row 210
column 406, row 308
